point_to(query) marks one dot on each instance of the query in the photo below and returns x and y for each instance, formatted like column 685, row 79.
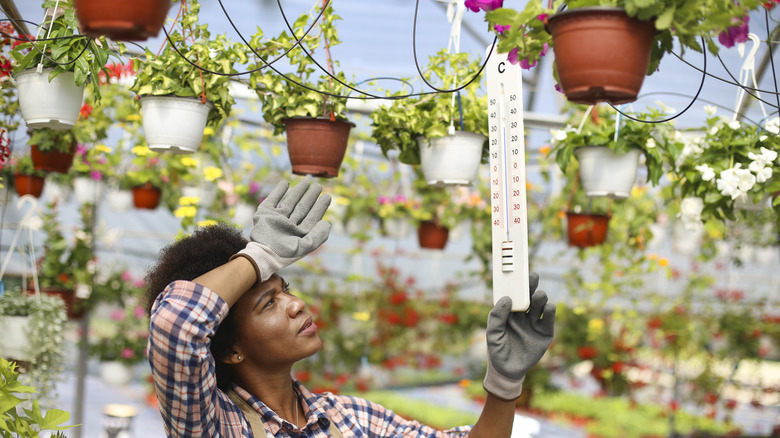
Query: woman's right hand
column 288, row 225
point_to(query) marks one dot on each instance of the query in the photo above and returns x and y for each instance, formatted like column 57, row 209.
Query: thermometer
column 509, row 221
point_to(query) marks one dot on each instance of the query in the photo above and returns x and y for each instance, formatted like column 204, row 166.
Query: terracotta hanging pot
column 586, row 229
column 28, row 185
column 432, row 235
column 316, row 145
column 125, row 20
column 73, row 304
column 53, row 160
column 146, row 196
column 601, row 54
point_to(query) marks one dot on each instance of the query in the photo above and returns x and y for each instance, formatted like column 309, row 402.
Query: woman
column 225, row 333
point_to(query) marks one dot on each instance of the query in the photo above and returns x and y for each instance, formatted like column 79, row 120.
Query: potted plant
column 27, row 180
column 9, row 101
column 178, row 95
column 52, row 150
column 354, row 206
column 423, row 129
column 310, row 109
column 395, row 213
column 27, row 422
column 608, row 151
column 121, row 20
column 649, row 28
column 435, row 215
column 147, row 176
column 119, row 343
column 33, row 329
column 51, row 73
column 92, row 167
column 727, row 163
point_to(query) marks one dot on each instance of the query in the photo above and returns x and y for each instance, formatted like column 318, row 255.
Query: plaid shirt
column 184, row 319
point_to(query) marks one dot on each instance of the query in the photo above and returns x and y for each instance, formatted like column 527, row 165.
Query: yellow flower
column 211, row 173
column 596, row 324
column 103, row 148
column 189, row 200
column 208, row 130
column 340, row 200
column 207, row 223
column 189, row 161
column 133, row 117
column 663, row 262
column 544, row 150
column 361, row 316
column 141, row 151
column 187, row 211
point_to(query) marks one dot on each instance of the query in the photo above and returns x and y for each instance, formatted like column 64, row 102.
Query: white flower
column 713, row 130
column 650, row 143
column 83, row 291
column 690, row 213
column 734, row 124
column 763, row 175
column 710, row 110
column 707, row 172
column 735, row 182
column 773, row 126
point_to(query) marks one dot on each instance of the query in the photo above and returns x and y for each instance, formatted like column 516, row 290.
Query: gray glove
column 288, row 225
column 517, row 341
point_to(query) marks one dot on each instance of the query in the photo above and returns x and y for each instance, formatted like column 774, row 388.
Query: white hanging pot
column 59, row 193
column 206, row 193
column 14, row 343
column 88, row 190
column 605, row 173
column 174, row 124
column 116, row 373
column 45, row 104
column 243, row 213
column 120, row 200
column 452, row 160
column 397, row 228
column 358, row 224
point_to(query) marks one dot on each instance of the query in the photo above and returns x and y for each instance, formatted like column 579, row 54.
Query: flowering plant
column 395, row 206
column 123, row 338
column 96, row 162
column 23, row 166
column 147, row 167
column 523, row 36
column 9, row 103
column 435, row 204
column 729, row 165
column 660, row 143
column 399, row 125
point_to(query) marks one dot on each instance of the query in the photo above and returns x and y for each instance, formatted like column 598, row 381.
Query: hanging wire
column 771, row 58
column 695, row 97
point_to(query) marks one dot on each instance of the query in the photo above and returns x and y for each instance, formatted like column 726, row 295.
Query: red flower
column 586, row 352
column 710, row 398
column 617, row 367
column 394, row 318
column 86, row 110
column 654, row 323
column 731, row 404
column 449, row 319
column 303, row 375
column 398, row 298
column 411, row 317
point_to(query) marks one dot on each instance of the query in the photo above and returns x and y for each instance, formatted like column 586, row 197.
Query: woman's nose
column 295, row 306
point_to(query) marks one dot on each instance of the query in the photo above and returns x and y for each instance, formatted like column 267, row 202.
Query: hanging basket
column 174, row 124
column 45, row 104
column 120, row 200
column 73, row 304
column 28, row 185
column 586, row 229
column 316, row 145
column 121, row 20
column 432, row 235
column 605, row 173
column 146, row 196
column 601, row 54
column 53, row 160
column 88, row 190
column 14, row 343
column 452, row 160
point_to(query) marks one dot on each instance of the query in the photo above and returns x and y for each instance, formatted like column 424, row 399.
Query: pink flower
column 127, row 353
column 125, row 276
column 96, row 175
column 139, row 283
column 500, row 29
column 383, row 200
column 399, row 199
column 118, row 314
column 485, row 5
column 512, row 56
column 253, row 188
column 139, row 312
column 735, row 34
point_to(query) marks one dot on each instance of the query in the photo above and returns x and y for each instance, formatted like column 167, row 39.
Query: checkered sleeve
column 183, row 320
column 378, row 421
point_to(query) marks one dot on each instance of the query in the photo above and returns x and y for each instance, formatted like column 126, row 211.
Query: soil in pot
column 601, row 54
column 317, row 146
column 54, row 160
column 587, row 229
column 432, row 235
column 28, row 185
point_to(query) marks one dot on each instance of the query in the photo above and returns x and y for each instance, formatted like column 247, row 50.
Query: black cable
column 671, row 93
column 43, row 55
column 695, row 97
column 417, row 62
column 745, row 87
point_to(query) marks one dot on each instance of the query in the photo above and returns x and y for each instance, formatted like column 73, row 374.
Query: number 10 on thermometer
column 509, row 221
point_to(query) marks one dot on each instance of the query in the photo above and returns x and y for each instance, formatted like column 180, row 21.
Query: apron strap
column 256, row 422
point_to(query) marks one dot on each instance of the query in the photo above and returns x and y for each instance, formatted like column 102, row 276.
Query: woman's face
column 274, row 328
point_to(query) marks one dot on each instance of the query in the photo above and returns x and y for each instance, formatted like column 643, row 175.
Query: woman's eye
column 270, row 301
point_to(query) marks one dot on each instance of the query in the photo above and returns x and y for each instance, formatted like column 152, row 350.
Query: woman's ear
column 233, row 358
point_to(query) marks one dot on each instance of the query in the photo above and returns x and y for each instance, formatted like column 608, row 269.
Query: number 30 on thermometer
column 507, row 181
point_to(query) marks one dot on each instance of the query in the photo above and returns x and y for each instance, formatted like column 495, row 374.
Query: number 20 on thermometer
column 509, row 221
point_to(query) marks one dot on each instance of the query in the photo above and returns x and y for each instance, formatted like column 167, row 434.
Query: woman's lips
column 309, row 328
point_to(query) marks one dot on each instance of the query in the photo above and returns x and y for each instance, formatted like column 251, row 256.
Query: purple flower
column 253, row 187
column 96, row 175
column 512, row 56
column 735, row 34
column 382, row 200
column 485, row 5
column 398, row 199
column 81, row 149
column 558, row 88
column 525, row 64
column 500, row 29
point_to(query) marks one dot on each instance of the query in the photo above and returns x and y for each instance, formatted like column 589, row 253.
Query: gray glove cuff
column 265, row 261
column 500, row 386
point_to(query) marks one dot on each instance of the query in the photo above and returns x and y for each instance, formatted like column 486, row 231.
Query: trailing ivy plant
column 192, row 64
column 63, row 49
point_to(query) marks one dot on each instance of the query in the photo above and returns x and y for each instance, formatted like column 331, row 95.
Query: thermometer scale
column 509, row 221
